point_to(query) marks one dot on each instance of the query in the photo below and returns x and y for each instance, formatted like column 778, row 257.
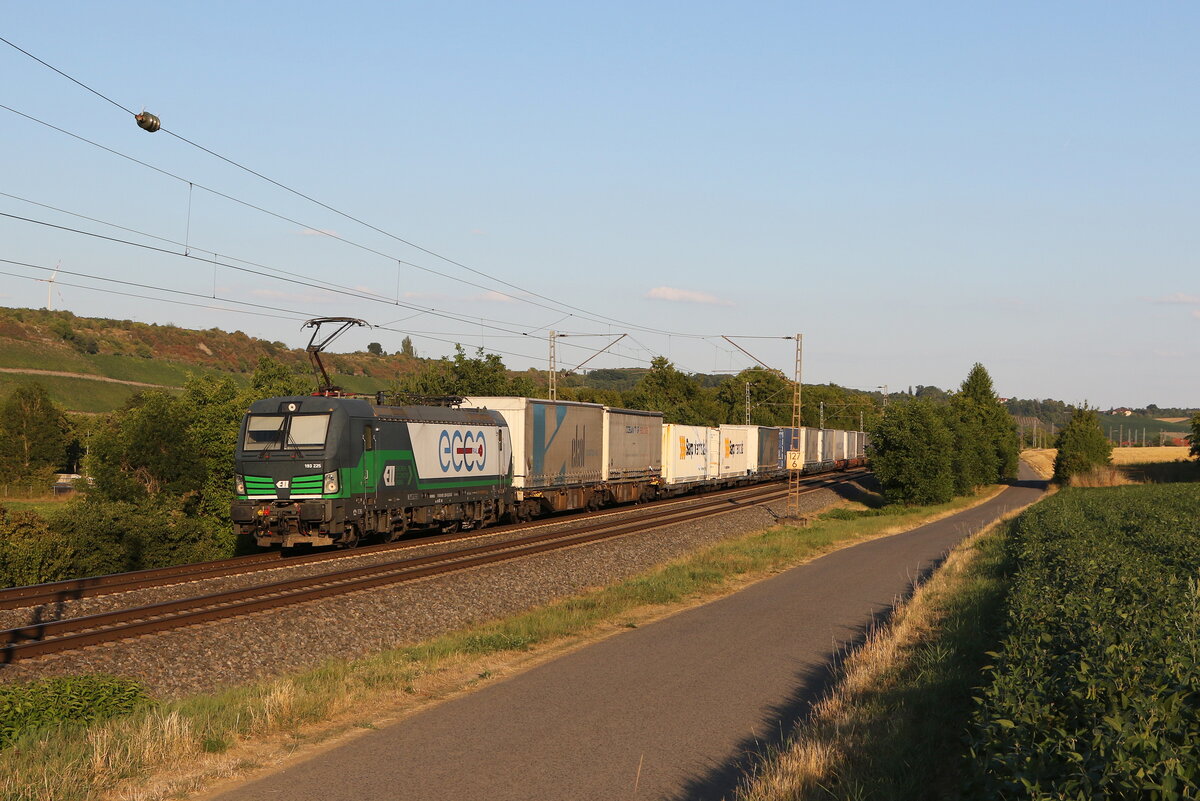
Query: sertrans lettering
column 459, row 450
column 688, row 448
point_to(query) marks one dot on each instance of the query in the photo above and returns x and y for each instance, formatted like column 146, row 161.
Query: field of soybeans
column 1094, row 691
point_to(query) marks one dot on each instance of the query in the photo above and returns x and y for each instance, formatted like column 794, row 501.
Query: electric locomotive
column 322, row 470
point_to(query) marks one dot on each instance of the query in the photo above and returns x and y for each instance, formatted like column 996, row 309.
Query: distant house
column 1123, row 412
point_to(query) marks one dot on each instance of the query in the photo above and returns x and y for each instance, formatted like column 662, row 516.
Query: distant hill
column 94, row 365
column 100, row 363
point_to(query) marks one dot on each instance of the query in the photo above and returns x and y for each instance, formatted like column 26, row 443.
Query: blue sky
column 914, row 187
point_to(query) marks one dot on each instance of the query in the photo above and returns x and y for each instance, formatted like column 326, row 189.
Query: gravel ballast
column 230, row 652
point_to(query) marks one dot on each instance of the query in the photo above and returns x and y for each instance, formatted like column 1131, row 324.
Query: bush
column 117, row 536
column 75, row 699
column 911, row 450
column 1082, row 446
column 30, row 553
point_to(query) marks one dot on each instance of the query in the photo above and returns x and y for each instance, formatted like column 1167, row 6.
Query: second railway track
column 43, row 638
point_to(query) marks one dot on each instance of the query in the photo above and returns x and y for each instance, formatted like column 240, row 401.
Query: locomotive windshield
column 272, row 432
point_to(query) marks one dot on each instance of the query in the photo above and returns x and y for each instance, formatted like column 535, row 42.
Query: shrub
column 30, row 553
column 1082, row 445
column 911, row 449
column 74, row 699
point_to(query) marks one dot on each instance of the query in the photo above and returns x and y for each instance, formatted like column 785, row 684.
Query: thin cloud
column 675, row 295
column 493, row 297
column 1179, row 298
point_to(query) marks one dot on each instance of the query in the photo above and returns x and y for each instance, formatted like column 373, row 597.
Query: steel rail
column 74, row 589
column 69, row 634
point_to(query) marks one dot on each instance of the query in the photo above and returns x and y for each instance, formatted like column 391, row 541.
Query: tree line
column 690, row 399
column 160, row 470
column 928, row 450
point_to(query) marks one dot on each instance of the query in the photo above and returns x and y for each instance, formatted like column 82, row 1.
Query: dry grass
column 1041, row 460
column 1101, row 477
column 1167, row 453
column 898, row 697
column 1129, row 466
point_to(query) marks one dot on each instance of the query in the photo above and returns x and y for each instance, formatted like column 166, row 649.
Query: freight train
column 327, row 470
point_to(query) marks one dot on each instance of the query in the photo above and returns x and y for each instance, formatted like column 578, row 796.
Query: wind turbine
column 50, row 288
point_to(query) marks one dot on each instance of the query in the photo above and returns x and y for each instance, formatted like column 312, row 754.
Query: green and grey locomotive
column 318, row 470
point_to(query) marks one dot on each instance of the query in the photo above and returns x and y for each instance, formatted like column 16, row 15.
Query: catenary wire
column 284, row 273
column 299, row 315
column 311, row 285
column 350, row 216
column 307, row 226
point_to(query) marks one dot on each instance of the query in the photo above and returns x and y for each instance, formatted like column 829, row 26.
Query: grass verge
column 893, row 724
column 143, row 755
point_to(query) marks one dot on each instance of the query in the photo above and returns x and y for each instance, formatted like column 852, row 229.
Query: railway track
column 58, row 592
column 43, row 638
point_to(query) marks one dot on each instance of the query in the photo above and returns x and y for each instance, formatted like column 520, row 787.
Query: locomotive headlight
column 331, row 481
column 240, row 484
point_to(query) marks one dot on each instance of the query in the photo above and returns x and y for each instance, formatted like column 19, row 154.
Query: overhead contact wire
column 346, row 215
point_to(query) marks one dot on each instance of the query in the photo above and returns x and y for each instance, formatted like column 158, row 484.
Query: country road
column 672, row 710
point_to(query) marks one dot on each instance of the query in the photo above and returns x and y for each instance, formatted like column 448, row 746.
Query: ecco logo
column 461, row 451
column 282, row 483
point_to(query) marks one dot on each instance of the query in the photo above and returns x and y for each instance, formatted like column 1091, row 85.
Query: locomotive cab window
column 268, row 432
column 368, row 437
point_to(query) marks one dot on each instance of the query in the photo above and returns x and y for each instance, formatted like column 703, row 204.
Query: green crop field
column 74, row 394
column 1093, row 693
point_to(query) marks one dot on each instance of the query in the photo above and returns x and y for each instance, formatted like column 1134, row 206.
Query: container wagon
column 557, row 452
column 633, row 447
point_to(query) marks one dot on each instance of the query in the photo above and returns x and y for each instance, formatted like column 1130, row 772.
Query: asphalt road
column 672, row 710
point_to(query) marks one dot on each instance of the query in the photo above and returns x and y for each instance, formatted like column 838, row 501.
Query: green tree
column 1194, row 437
column 145, row 449
column 973, row 457
column 406, row 347
column 998, row 426
column 911, row 450
column 483, row 374
column 681, row 400
column 843, row 408
column 34, row 433
column 770, row 398
column 1082, row 446
column 375, row 348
